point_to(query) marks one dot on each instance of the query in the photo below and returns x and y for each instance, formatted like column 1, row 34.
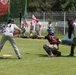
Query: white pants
column 10, row 38
column 53, row 46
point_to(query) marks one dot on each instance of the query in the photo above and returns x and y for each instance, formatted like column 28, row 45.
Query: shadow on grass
column 40, row 55
column 43, row 55
column 67, row 56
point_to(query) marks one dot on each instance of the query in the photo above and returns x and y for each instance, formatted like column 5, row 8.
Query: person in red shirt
column 53, row 46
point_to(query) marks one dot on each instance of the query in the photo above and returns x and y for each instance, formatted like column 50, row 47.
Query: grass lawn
column 34, row 59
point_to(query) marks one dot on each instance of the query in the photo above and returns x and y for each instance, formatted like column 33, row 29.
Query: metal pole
column 43, row 22
column 20, row 19
column 8, row 10
column 43, row 19
column 25, row 7
column 64, row 21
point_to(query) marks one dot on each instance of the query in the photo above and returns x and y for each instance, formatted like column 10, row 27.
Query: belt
column 9, row 32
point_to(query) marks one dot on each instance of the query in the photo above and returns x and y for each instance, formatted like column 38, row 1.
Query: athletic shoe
column 70, row 55
column 50, row 55
column 19, row 57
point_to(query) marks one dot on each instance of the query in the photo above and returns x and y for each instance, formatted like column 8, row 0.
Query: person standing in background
column 50, row 26
column 31, row 29
column 23, row 30
column 38, row 28
column 72, row 30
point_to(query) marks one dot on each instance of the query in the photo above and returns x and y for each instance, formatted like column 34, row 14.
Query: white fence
column 58, row 26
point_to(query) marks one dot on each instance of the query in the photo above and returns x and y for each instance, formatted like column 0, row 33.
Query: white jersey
column 74, row 25
column 50, row 25
column 38, row 26
column 31, row 27
column 10, row 28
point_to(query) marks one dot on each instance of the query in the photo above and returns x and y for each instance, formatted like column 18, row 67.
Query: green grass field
column 34, row 59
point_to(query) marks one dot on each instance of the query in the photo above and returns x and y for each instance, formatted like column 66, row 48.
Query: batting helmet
column 10, row 21
column 51, row 32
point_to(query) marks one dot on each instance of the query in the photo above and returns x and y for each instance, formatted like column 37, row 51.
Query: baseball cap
column 70, row 19
column 10, row 21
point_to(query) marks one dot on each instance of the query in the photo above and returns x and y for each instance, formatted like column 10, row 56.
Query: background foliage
column 18, row 6
column 39, row 6
column 51, row 5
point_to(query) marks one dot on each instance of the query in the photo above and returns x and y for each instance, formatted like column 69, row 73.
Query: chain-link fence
column 59, row 20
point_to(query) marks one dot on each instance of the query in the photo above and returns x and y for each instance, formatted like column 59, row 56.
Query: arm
column 19, row 30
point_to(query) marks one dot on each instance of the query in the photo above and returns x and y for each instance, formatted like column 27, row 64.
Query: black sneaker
column 19, row 57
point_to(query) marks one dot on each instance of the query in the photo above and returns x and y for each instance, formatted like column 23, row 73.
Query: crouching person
column 53, row 47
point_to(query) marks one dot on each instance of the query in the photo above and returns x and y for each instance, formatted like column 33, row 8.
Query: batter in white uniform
column 8, row 35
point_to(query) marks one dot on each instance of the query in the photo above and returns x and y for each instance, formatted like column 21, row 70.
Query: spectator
column 50, row 26
column 23, row 30
column 31, row 29
column 38, row 28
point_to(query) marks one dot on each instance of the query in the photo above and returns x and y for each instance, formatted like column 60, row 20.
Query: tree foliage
column 69, row 5
column 51, row 5
column 18, row 6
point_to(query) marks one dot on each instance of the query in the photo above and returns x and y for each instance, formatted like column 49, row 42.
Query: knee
column 45, row 46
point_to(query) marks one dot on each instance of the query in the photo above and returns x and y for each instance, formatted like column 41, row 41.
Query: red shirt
column 52, row 39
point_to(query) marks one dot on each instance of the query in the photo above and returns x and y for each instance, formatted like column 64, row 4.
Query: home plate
column 7, row 55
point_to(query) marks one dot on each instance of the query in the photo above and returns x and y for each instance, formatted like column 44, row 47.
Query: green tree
column 17, row 7
column 69, row 5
